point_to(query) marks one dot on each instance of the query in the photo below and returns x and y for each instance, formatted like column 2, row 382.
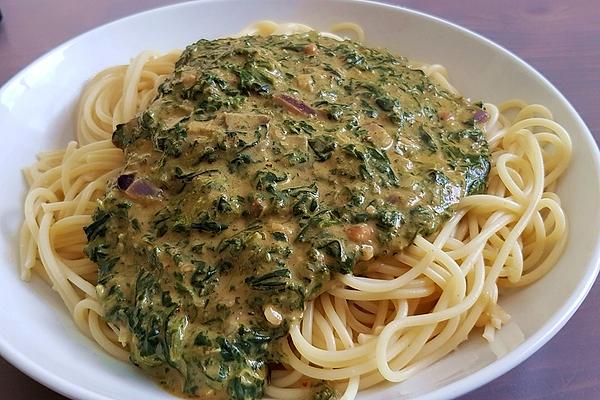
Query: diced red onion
column 481, row 116
column 141, row 188
column 294, row 105
column 125, row 180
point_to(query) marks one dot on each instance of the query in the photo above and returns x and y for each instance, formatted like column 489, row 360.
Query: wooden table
column 560, row 39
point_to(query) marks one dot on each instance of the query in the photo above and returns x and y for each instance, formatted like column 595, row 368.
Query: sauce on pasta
column 265, row 166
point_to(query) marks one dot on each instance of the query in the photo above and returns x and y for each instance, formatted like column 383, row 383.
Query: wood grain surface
column 561, row 39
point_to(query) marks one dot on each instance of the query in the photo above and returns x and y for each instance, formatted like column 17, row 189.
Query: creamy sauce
column 265, row 166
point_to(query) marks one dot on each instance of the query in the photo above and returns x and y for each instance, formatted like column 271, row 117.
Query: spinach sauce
column 265, row 166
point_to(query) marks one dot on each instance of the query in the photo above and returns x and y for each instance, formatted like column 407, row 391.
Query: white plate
column 36, row 110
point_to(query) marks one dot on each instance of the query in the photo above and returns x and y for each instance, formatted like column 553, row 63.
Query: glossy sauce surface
column 265, row 166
